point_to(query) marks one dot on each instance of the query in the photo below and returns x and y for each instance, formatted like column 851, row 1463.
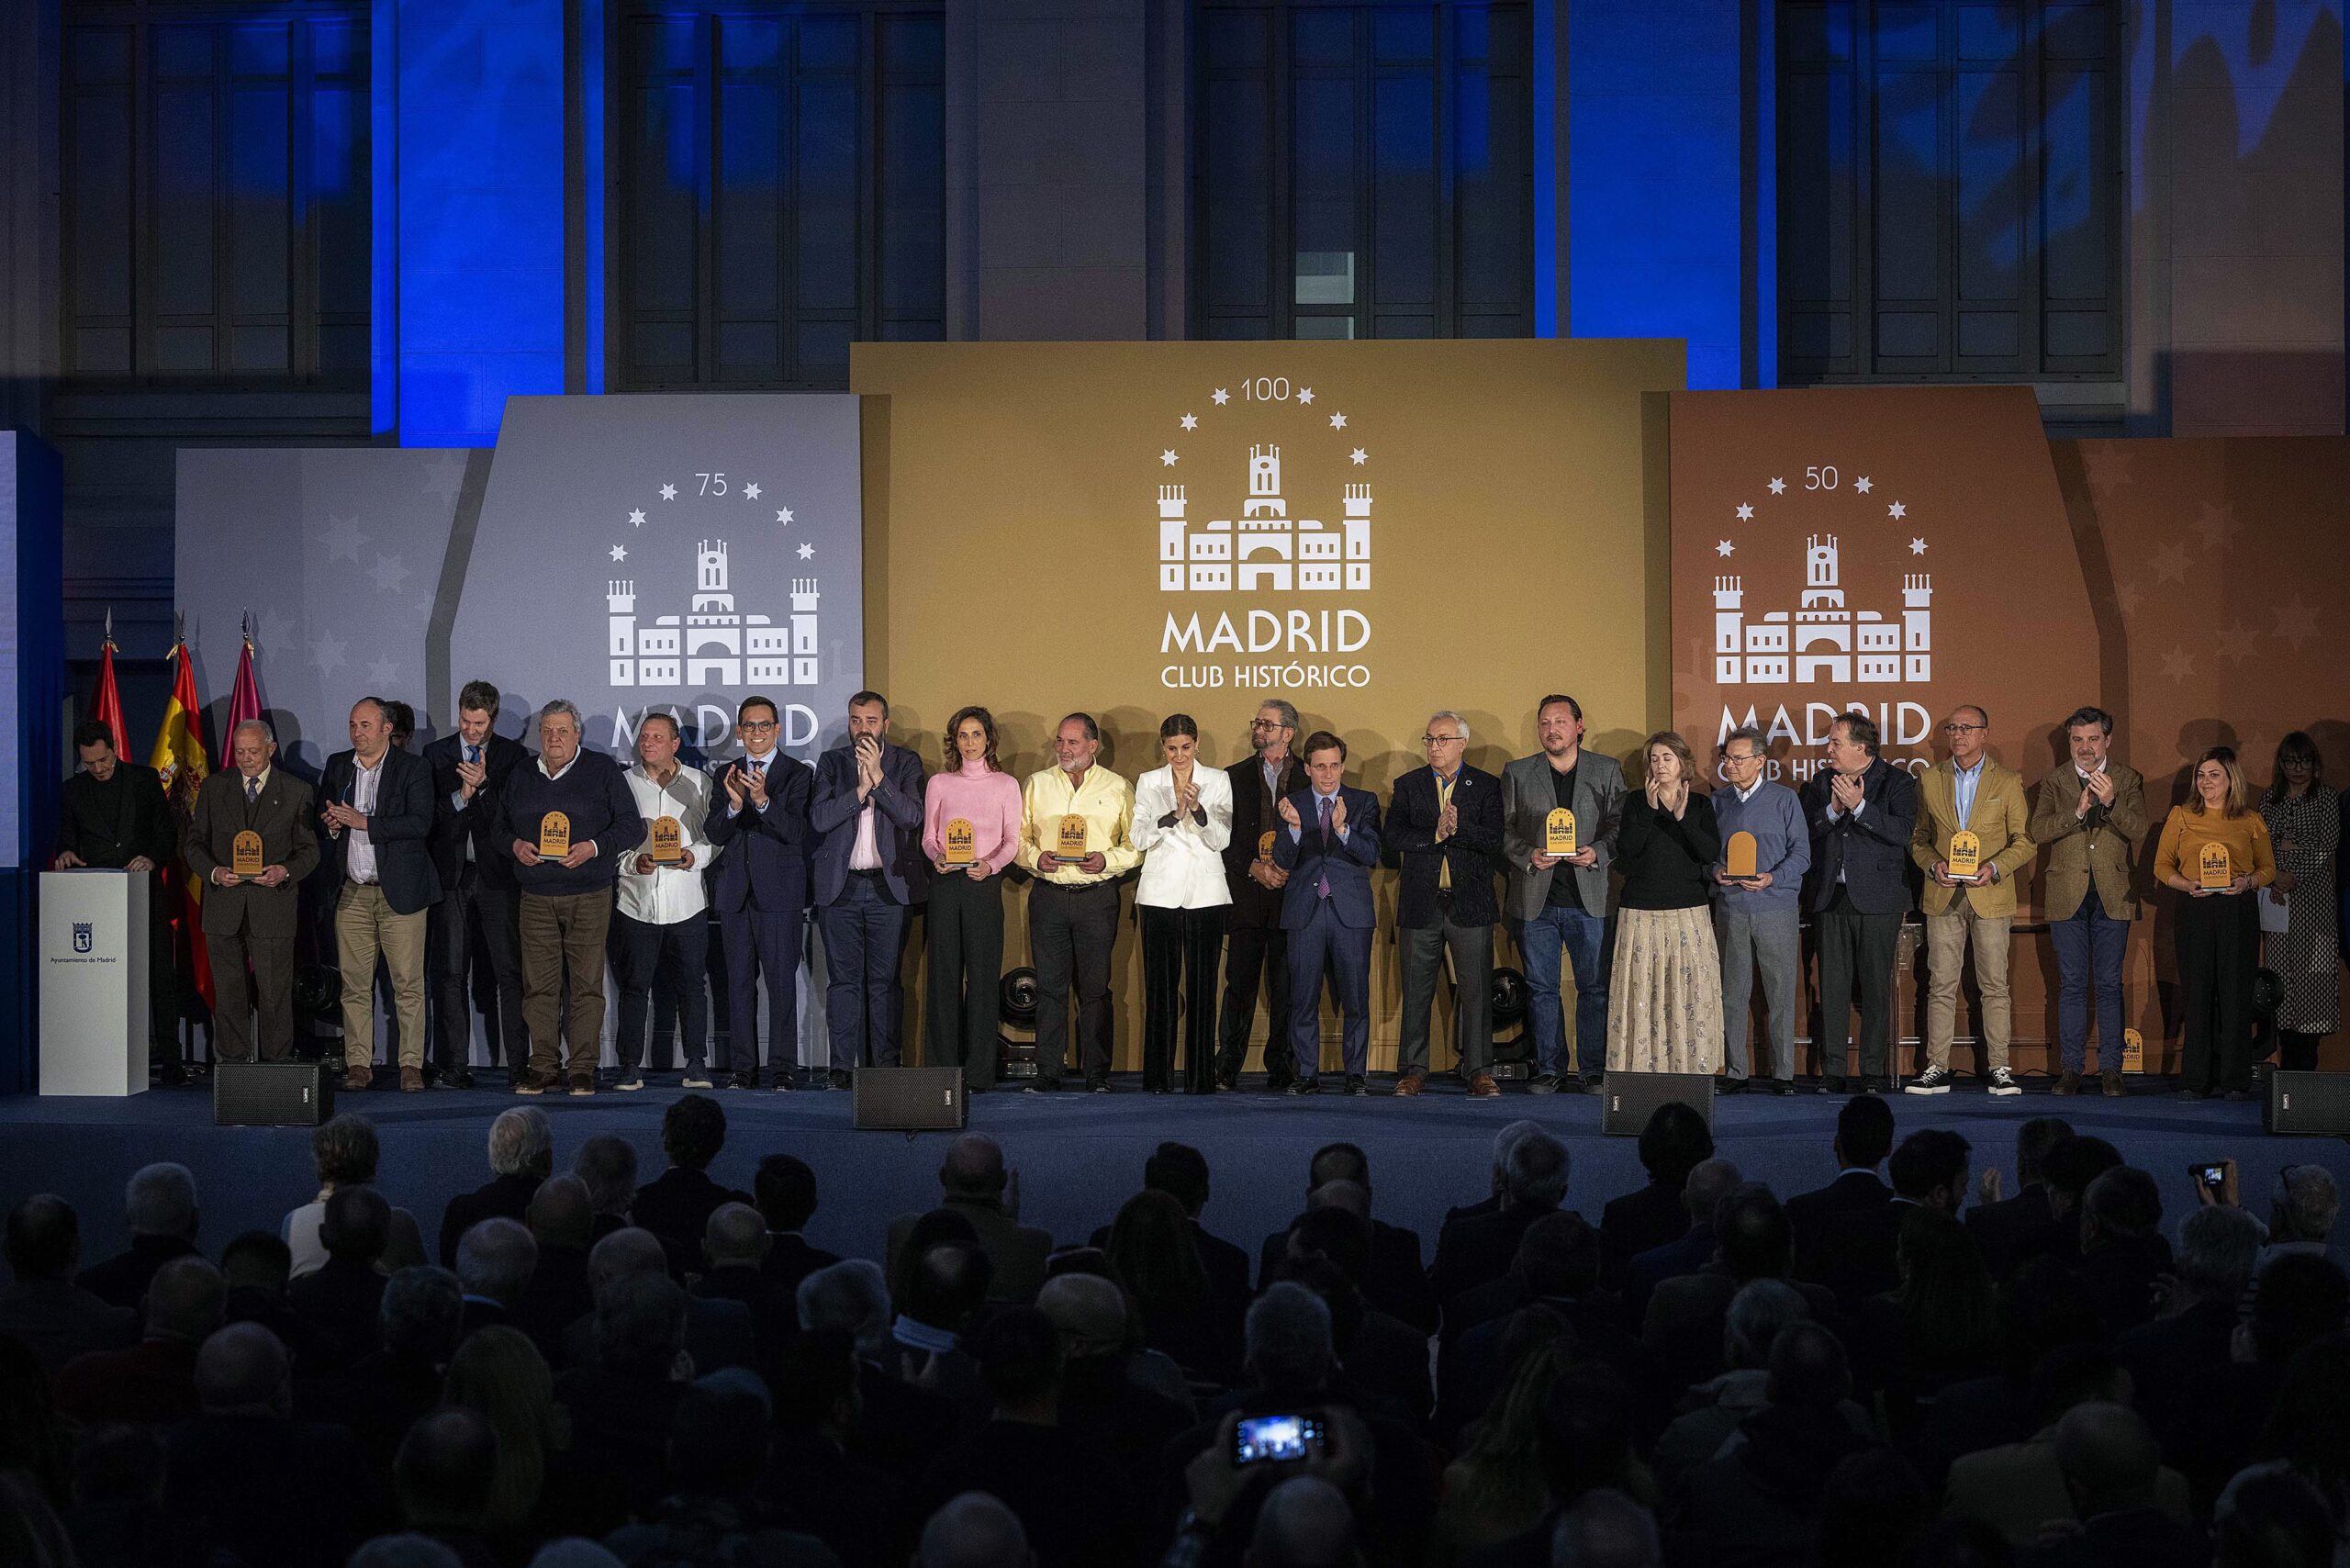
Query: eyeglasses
column 1444, row 740
column 1267, row 724
column 755, row 727
column 1956, row 729
column 1732, row 759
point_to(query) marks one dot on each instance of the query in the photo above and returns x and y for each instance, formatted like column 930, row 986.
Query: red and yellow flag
column 181, row 758
column 107, row 708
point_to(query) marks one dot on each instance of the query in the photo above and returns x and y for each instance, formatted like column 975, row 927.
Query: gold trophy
column 1738, row 858
column 555, row 837
column 669, row 841
column 1965, row 861
column 962, row 842
column 1265, row 847
column 2217, row 870
column 1070, row 842
column 244, row 853
column 1559, row 833
column 2133, row 1052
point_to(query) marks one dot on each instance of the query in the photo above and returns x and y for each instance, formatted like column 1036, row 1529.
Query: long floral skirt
column 1664, row 1003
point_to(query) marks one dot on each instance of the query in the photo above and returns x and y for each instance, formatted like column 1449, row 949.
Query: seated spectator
column 32, row 1438
column 55, row 1317
column 623, row 1403
column 1682, row 1326
column 2271, row 1518
column 677, row 1204
column 1872, row 1499
column 718, row 1448
column 1381, row 1363
column 786, row 1191
column 718, row 1333
column 1181, row 1172
column 1496, row 1489
column 381, row 1396
column 118, row 1520
column 1154, row 1251
column 495, row 1261
column 900, row 1428
column 2066, row 1170
column 522, row 1155
column 1858, row 1254
column 1714, row 1410
column 1864, row 1137
column 974, row 1531
column 159, row 1208
column 1705, row 1186
column 946, row 1289
column 155, row 1379
column 2306, row 1430
column 257, row 1266
column 974, row 1183
column 1940, row 1326
column 341, row 1302
column 2041, row 1309
column 1480, row 1247
column 734, row 1249
column 1305, row 1523
column 607, row 1164
column 2301, row 1211
column 1558, row 1269
column 2018, row 1488
column 1607, row 1529
column 344, row 1151
column 1759, row 1501
column 442, row 1474
column 2122, row 1250
column 561, row 1218
column 816, row 1482
column 1102, row 1406
column 1587, row 1445
column 2218, row 1247
column 1957, row 1543
column 498, row 1374
column 2001, row 1225
column 1395, row 1282
column 2215, row 1422
column 1676, row 1142
column 2110, row 1464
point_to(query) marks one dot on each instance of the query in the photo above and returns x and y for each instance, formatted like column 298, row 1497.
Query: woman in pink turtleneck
column 965, row 918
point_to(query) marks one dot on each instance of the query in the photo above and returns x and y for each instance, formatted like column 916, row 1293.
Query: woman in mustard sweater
column 2217, row 929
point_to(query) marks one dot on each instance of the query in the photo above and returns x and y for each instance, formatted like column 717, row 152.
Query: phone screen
column 1262, row 1439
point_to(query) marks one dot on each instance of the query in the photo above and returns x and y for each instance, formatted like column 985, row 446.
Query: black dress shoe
column 1877, row 1084
column 1227, row 1082
column 1830, row 1086
column 1041, row 1086
column 840, row 1078
column 1357, row 1084
column 170, row 1075
column 1783, row 1086
column 743, row 1081
column 1101, row 1086
column 1593, row 1083
column 1543, row 1083
column 1305, row 1086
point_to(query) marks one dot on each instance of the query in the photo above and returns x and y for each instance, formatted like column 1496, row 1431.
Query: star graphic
column 326, row 652
column 2235, row 643
column 1360, row 456
column 442, row 475
column 1168, row 458
column 341, row 537
column 383, row 674
column 1917, row 546
column 2170, row 563
column 1778, row 487
column 636, row 518
column 1337, row 422
column 1222, row 396
column 2296, row 622
column 2219, row 526
column 2125, row 598
column 1897, row 511
column 668, row 492
column 783, row 514
column 1863, row 484
column 806, row 552
column 1191, row 421
column 751, row 491
column 2179, row 664
column 1725, row 548
column 1305, row 395
column 274, row 632
column 2109, row 464
column 1745, row 512
column 388, row 574
column 620, row 552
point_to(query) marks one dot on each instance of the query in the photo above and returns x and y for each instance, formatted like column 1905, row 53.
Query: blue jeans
column 2089, row 957
column 1584, row 938
column 865, row 934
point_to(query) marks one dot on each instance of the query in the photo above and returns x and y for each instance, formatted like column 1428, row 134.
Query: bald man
column 249, row 916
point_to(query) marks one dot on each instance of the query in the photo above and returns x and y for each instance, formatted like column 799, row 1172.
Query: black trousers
column 964, row 933
column 2217, row 941
column 1473, row 970
column 471, row 919
column 1851, row 945
column 673, row 963
column 1070, row 933
column 1255, row 957
column 1179, row 949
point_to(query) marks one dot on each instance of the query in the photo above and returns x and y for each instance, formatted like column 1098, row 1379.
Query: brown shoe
column 2070, row 1083
column 412, row 1081
column 358, row 1078
column 582, row 1083
column 2114, row 1083
column 1408, row 1086
column 1482, row 1087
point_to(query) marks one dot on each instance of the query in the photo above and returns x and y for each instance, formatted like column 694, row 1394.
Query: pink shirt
column 989, row 801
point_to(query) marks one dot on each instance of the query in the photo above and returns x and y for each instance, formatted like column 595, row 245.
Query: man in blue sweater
column 566, row 900
column 1758, row 918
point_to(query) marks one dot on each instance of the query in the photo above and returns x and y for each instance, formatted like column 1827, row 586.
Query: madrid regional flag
column 180, row 757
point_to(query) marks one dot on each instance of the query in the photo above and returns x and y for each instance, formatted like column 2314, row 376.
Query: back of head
column 521, row 1142
column 2071, row 1164
column 344, row 1150
column 160, row 1200
column 974, row 1531
column 2269, row 1517
column 1606, row 1529
column 1930, row 1161
column 2123, row 1203
column 2301, row 1297
column 973, row 1168
column 495, row 1258
column 357, row 1225
column 2218, row 1245
column 242, row 1370
column 1090, row 1312
column 2306, row 1204
column 1303, row 1523
column 406, row 1550
column 1348, row 1162
column 784, row 1190
column 2033, row 1140
column 1019, row 1353
column 693, row 1130
column 1559, row 1257
column 1585, row 1441
column 1871, row 1498
column 640, row 1324
column 607, row 1163
column 1808, row 1368
column 1751, row 1231
column 1710, row 1182
column 947, row 1285
column 1336, row 1232
column 44, row 1238
column 2109, row 1456
column 631, row 1249
column 1290, row 1346
column 423, row 1309
column 735, row 1235
column 1758, row 1314
column 185, row 1300
column 256, row 1259
column 718, row 1440
column 850, row 1297
column 1864, row 1131
column 560, row 1213
column 1152, row 1249
column 1181, row 1172
column 1675, row 1142
column 443, row 1470
column 1534, row 1173
column 1341, row 1193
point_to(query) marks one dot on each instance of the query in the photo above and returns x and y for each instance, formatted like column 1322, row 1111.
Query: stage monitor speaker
column 272, row 1094
column 2307, row 1103
column 908, row 1099
column 1630, row 1099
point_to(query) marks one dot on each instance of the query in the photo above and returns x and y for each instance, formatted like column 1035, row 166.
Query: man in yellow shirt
column 1073, row 902
column 1969, row 791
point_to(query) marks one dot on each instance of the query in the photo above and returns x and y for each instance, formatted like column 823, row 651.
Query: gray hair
column 1448, row 714
column 2306, row 1204
column 241, row 1367
column 734, row 1233
column 640, row 1323
column 564, row 706
column 1289, row 1347
column 1760, row 1310
column 852, row 1296
column 1506, row 1140
column 519, row 1139
column 2218, row 1248
column 263, row 725
column 1535, row 1172
column 495, row 1258
column 185, row 1299
column 160, row 1200
column 1747, row 732
column 423, row 1306
column 1305, row 1520
column 973, row 1529
column 607, row 1163
column 1288, row 711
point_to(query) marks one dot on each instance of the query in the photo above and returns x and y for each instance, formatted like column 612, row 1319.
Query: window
column 1950, row 190
column 782, row 187
column 216, row 194
column 1361, row 170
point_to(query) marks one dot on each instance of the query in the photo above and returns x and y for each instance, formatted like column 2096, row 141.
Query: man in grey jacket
column 1561, row 901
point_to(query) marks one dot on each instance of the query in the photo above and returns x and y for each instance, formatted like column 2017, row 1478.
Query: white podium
column 94, row 998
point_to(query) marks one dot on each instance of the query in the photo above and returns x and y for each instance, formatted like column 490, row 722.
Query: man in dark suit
column 252, row 918
column 1181, row 1172
column 112, row 816
column 1864, row 1137
column 1479, row 1247
column 734, row 1249
column 477, row 911
column 1682, row 1326
column 761, row 890
column 1709, row 1184
column 1397, row 1282
column 1443, row 823
column 866, row 815
column 56, row 1318
column 153, row 1381
column 784, row 1191
column 377, row 816
column 677, row 1204
column 343, row 1301
column 1328, row 841
column 1860, row 811
column 974, row 1182
column 1255, row 943
column 1857, row 1252
column 2001, row 1225
column 522, row 1155
column 160, row 1210
column 1675, row 1142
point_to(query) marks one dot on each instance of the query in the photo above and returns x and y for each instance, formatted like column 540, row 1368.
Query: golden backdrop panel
column 1372, row 531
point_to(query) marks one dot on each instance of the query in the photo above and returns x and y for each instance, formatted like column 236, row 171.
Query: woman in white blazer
column 1182, row 821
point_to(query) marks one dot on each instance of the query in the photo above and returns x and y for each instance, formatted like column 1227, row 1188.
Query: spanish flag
column 181, row 758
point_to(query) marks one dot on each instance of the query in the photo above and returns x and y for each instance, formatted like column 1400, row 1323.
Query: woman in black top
column 1665, row 998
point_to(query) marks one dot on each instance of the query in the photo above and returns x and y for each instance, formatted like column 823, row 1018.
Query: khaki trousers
column 364, row 927
column 1947, row 938
column 563, row 933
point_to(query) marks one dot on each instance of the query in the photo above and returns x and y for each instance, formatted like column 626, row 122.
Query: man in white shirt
column 865, row 816
column 662, row 932
column 378, row 817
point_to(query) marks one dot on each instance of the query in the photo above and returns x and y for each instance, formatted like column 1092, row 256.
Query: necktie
column 1443, row 798
column 1322, row 888
column 473, row 753
column 252, row 791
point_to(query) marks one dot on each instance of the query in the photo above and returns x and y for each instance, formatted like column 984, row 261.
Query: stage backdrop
column 1370, row 530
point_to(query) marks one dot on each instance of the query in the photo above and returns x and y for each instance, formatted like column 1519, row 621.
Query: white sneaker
column 2004, row 1082
column 696, row 1080
column 630, row 1085
column 1934, row 1080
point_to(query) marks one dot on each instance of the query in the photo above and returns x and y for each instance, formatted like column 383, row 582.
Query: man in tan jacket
column 1969, row 791
column 2092, row 815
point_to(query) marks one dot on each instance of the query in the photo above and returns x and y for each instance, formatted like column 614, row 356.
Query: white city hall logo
column 1826, row 639
column 712, row 643
column 1264, row 550
column 81, row 935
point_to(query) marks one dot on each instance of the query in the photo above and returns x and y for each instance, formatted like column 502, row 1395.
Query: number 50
column 1819, row 478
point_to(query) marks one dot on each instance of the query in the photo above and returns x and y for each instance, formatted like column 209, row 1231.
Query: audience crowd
column 1925, row 1362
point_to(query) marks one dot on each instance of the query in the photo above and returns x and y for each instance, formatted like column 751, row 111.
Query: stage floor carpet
column 1078, row 1156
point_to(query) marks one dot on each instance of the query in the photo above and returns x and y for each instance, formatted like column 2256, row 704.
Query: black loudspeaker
column 272, row 1094
column 1630, row 1099
column 908, row 1099
column 2307, row 1103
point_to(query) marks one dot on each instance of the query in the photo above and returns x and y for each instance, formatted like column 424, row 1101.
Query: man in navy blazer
column 1443, row 823
column 377, row 815
column 470, row 769
column 1860, row 808
column 759, row 821
column 867, row 816
column 1327, row 841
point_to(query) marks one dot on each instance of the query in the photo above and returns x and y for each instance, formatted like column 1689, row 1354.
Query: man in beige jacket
column 2091, row 815
column 1968, row 791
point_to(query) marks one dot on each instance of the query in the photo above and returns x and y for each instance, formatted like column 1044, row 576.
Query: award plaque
column 555, row 837
column 1070, row 842
column 1965, row 860
column 244, row 853
column 1265, row 847
column 669, row 841
column 962, row 842
column 2133, row 1052
column 1738, row 858
column 2218, row 872
column 1559, row 832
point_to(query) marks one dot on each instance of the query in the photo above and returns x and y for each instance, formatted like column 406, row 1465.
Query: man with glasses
column 1859, row 809
column 1560, row 903
column 2091, row 816
column 1255, row 943
column 1757, row 919
column 1967, row 791
column 1444, row 822
column 761, row 890
column 1073, row 902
